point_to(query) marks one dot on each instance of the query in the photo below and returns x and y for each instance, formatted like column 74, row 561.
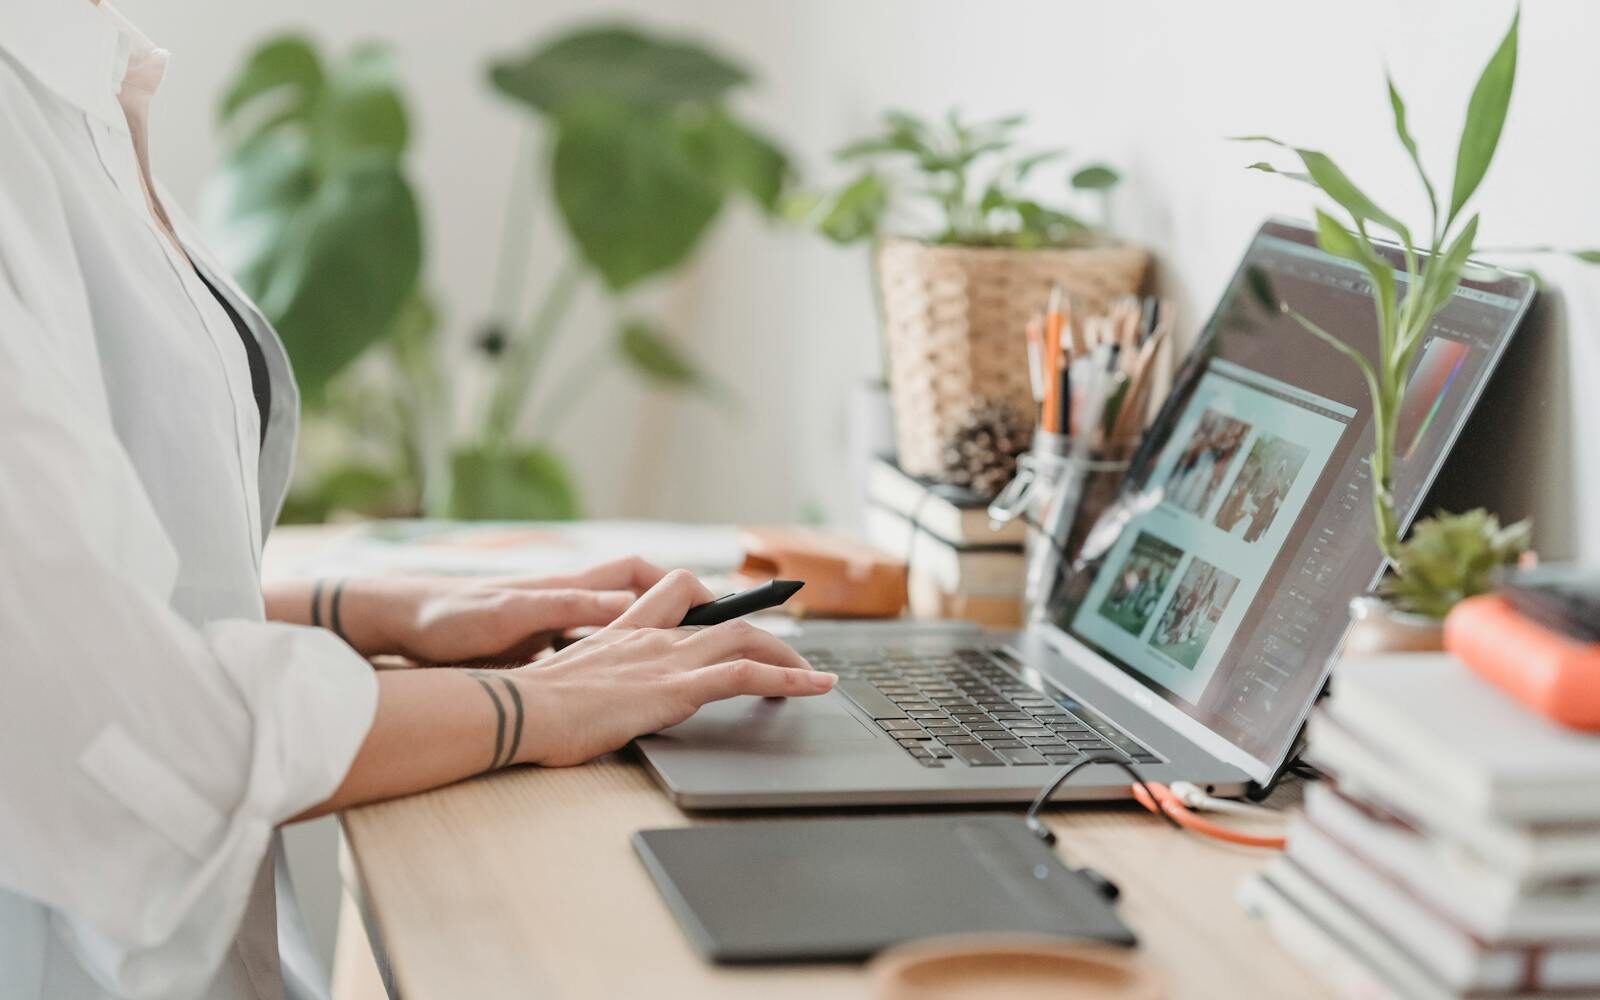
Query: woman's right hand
column 642, row 673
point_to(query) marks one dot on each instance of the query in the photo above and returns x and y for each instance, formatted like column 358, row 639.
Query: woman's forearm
column 432, row 728
column 364, row 612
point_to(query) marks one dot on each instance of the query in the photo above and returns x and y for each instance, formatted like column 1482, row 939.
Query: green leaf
column 1333, row 182
column 994, row 198
column 346, row 264
column 511, row 484
column 249, row 205
column 286, row 70
column 631, row 192
column 615, row 64
column 648, row 351
column 1441, row 275
column 857, row 211
column 1027, row 164
column 1486, row 116
column 1259, row 284
column 1401, row 129
column 361, row 111
column 1293, row 175
column 1341, row 242
column 1096, row 177
column 1587, row 256
column 740, row 159
column 1327, row 176
column 1044, row 226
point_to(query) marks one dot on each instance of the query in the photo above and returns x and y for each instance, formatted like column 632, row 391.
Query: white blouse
column 154, row 729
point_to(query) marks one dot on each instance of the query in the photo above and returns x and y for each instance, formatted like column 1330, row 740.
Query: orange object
column 1553, row 674
column 843, row 579
column 1050, row 419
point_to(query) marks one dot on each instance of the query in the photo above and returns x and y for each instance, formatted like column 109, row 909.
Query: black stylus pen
column 768, row 595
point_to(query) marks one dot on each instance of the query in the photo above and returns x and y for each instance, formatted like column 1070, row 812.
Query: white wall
column 1152, row 86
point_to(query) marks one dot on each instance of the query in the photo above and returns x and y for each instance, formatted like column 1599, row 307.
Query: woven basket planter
column 955, row 318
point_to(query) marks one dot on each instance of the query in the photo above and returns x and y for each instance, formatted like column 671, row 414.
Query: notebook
column 1429, row 717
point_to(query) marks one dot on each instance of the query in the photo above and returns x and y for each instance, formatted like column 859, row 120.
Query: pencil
column 1131, row 420
column 1034, row 332
column 1051, row 418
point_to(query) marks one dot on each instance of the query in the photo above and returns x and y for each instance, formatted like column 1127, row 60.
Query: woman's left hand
column 454, row 619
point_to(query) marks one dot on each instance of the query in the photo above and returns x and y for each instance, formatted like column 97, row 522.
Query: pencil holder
column 1059, row 491
column 954, row 319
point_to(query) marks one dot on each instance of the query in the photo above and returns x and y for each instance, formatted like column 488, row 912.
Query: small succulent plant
column 1449, row 558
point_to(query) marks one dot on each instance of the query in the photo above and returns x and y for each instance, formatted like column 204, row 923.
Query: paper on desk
column 459, row 548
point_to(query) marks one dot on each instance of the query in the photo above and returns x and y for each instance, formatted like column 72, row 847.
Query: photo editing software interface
column 1249, row 528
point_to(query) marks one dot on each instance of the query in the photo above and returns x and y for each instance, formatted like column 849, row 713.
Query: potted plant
column 633, row 139
column 964, row 254
column 1451, row 556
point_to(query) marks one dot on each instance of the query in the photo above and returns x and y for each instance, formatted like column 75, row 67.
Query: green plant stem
column 520, row 365
column 559, row 403
column 516, row 232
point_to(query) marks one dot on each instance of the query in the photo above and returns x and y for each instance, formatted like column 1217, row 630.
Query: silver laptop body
column 1247, row 510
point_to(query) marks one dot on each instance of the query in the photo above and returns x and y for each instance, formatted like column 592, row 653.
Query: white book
column 977, row 571
column 1356, row 961
column 1431, row 717
column 957, row 516
column 1494, row 904
column 1529, row 853
column 1448, row 951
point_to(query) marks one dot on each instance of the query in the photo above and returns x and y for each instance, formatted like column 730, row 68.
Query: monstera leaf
column 312, row 210
column 643, row 148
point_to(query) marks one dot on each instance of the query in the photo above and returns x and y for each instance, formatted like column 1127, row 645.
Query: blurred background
column 488, row 324
column 779, row 322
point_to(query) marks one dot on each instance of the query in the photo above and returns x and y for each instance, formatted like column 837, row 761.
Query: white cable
column 1194, row 797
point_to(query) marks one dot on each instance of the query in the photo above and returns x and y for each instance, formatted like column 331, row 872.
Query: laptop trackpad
column 765, row 721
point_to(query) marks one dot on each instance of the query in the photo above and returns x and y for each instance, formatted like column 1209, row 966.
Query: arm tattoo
column 316, row 602
column 508, row 716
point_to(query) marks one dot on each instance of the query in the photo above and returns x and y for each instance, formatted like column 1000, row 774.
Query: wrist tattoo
column 333, row 609
column 334, row 623
column 507, row 713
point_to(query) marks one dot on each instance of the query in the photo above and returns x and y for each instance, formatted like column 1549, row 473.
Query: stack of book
column 957, row 566
column 1455, row 850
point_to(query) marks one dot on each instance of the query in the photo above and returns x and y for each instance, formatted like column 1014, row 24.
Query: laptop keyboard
column 965, row 706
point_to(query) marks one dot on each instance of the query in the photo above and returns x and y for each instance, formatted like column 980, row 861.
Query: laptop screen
column 1245, row 524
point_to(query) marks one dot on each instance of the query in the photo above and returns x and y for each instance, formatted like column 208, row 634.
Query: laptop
column 1195, row 632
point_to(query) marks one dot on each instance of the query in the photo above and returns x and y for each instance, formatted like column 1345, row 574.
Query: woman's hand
column 456, row 619
column 642, row 673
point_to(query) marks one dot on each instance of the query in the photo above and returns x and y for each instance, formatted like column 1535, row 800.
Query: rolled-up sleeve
column 144, row 761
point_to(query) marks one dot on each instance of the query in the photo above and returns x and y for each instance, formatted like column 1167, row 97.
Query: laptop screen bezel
column 1147, row 694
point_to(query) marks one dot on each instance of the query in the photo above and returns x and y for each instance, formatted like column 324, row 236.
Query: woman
column 155, row 726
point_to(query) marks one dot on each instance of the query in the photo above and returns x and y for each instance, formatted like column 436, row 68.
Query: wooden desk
column 523, row 885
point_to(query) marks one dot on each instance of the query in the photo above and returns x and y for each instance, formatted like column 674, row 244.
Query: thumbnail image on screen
column 1192, row 614
column 1258, row 491
column 1204, row 461
column 1139, row 583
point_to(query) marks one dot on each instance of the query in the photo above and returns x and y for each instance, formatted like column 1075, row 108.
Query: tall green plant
column 1435, row 258
column 641, row 153
column 633, row 139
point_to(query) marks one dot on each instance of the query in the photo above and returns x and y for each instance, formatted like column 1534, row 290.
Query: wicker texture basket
column 955, row 318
